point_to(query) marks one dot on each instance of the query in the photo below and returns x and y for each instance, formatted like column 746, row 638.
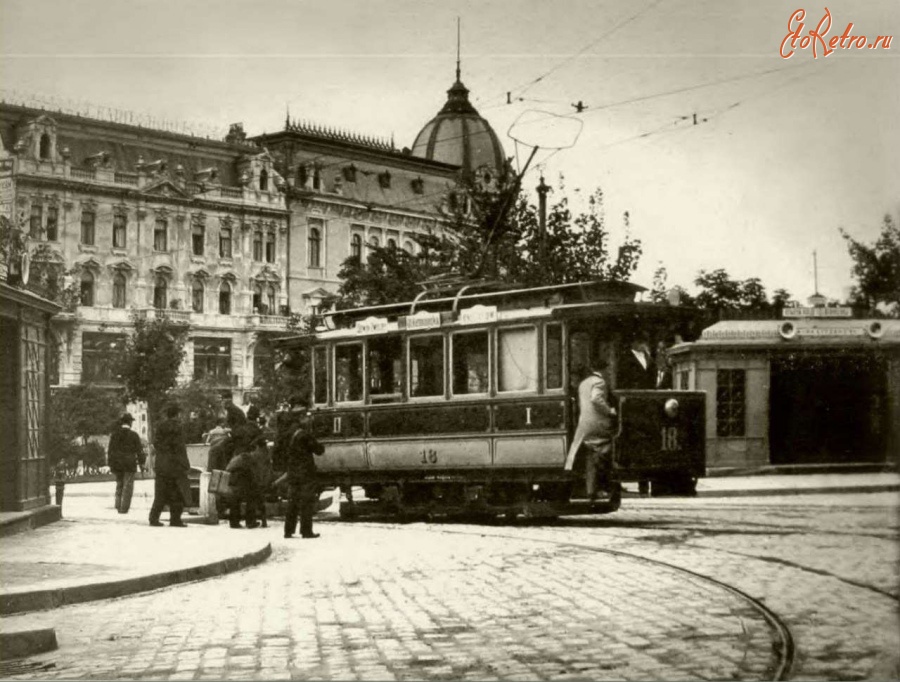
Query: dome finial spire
column 457, row 49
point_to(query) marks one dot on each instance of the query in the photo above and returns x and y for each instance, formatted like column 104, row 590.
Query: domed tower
column 459, row 135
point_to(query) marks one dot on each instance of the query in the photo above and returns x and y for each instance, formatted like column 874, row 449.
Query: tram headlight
column 671, row 408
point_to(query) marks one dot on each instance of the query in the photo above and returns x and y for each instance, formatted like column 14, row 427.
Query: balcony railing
column 182, row 316
column 126, row 178
column 82, row 173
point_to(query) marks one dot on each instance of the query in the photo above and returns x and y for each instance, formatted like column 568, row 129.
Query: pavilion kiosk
column 815, row 388
column 25, row 388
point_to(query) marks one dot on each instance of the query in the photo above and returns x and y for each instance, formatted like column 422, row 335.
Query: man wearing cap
column 303, row 488
column 125, row 453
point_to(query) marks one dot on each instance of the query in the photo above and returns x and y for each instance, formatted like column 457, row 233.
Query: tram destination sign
column 422, row 320
column 817, row 312
column 372, row 325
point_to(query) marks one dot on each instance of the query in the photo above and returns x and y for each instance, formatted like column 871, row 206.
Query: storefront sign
column 423, row 320
column 7, row 197
column 372, row 325
column 478, row 314
column 817, row 312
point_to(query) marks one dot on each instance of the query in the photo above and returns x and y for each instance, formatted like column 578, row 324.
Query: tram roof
column 504, row 302
column 507, row 295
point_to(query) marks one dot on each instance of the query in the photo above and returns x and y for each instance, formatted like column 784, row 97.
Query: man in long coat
column 303, row 488
column 172, row 467
column 596, row 421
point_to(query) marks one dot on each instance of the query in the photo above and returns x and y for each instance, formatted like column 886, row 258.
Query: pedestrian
column 303, row 489
column 262, row 478
column 596, row 425
column 636, row 371
column 217, row 434
column 125, row 454
column 244, row 499
column 172, row 467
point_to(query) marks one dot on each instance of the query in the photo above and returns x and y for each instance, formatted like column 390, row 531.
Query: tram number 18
column 669, row 439
column 429, row 456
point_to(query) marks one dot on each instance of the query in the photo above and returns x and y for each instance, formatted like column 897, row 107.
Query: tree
column 493, row 233
column 287, row 375
column 75, row 414
column 876, row 269
column 200, row 402
column 48, row 275
column 153, row 354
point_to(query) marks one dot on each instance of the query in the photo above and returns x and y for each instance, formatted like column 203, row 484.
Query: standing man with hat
column 125, row 454
column 172, row 467
column 303, row 488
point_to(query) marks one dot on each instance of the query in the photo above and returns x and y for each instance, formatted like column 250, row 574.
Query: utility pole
column 542, row 190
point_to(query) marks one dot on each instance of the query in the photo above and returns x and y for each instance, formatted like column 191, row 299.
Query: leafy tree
column 75, row 414
column 48, row 275
column 201, row 403
column 876, row 268
column 153, row 354
column 287, row 375
column 494, row 233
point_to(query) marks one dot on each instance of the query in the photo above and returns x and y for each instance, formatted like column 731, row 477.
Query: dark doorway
column 9, row 410
column 826, row 409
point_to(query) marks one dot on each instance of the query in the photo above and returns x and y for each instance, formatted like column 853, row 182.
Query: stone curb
column 825, row 490
column 38, row 600
column 23, row 643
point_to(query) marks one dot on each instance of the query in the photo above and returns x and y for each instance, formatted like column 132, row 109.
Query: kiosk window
column 470, row 363
column 517, row 359
column 348, row 372
column 426, row 366
column 730, row 404
column 385, row 363
column 320, row 376
column 553, row 356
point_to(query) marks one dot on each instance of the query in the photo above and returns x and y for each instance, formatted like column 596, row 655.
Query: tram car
column 466, row 401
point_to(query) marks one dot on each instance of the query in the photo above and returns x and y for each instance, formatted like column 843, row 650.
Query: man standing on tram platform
column 596, row 423
column 303, row 488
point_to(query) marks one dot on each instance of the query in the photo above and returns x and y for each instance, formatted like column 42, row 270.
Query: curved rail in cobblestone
column 784, row 645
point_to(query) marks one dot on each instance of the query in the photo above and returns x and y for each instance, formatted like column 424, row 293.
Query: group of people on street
column 238, row 445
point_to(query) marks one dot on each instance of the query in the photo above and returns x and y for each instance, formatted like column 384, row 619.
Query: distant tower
column 458, row 134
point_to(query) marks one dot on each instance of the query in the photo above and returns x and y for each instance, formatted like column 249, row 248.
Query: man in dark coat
column 125, row 454
column 303, row 488
column 636, row 370
column 172, row 467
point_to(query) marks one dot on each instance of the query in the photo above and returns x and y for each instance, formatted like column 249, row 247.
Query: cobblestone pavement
column 581, row 598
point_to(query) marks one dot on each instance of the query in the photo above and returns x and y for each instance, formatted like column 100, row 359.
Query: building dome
column 460, row 136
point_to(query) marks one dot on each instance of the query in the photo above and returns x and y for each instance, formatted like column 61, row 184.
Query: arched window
column 198, row 239
column 392, row 244
column 264, row 180
column 45, row 147
column 225, row 299
column 87, row 288
column 160, row 293
column 270, row 247
column 197, row 293
column 317, row 178
column 315, row 248
column 356, row 247
column 302, row 176
column 119, row 290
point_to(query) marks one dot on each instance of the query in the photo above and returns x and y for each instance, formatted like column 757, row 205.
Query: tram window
column 348, row 372
column 470, row 363
column 385, row 368
column 320, row 377
column 426, row 366
column 553, row 357
column 517, row 359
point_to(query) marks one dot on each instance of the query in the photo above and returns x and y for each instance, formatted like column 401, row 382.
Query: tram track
column 783, row 643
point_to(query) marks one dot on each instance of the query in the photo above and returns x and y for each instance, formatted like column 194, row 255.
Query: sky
column 784, row 152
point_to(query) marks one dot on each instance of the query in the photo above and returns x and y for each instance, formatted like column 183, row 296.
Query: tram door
column 588, row 348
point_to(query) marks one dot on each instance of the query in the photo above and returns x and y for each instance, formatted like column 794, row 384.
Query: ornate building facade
column 226, row 236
